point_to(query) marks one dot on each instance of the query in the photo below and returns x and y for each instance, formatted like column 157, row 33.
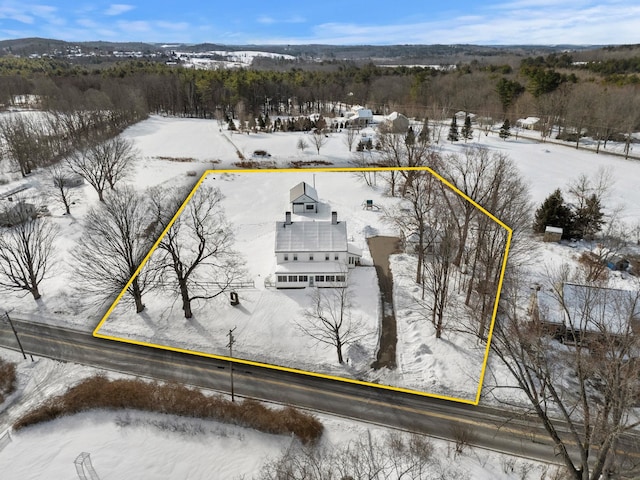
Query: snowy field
column 172, row 150
column 133, row 444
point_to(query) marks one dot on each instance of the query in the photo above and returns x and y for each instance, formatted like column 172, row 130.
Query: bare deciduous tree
column 301, row 145
column 329, row 320
column 62, row 189
column 26, row 253
column 114, row 243
column 319, row 139
column 195, row 256
column 394, row 456
column 23, row 140
column 103, row 164
column 350, row 137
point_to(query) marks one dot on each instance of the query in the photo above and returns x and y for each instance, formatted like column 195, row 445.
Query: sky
column 343, row 22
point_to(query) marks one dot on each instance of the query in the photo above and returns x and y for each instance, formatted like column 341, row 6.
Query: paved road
column 492, row 428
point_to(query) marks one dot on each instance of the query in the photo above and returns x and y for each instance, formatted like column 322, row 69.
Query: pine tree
column 423, row 136
column 453, row 131
column 504, row 129
column 467, row 131
column 410, row 139
column 554, row 213
column 231, row 125
column 589, row 219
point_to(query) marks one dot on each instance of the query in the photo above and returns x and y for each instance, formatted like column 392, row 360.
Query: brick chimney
column 287, row 218
column 334, row 218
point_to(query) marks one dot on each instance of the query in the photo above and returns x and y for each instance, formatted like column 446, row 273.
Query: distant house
column 462, row 115
column 313, row 253
column 592, row 310
column 16, row 213
column 528, row 123
column 360, row 116
column 552, row 234
column 396, row 123
column 303, row 198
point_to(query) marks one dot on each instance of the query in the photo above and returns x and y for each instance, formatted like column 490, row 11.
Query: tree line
column 551, row 88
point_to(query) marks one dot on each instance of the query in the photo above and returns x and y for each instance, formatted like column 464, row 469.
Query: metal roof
column 303, row 189
column 321, row 236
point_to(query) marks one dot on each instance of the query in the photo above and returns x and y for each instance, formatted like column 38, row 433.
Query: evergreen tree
column 504, row 129
column 410, row 139
column 589, row 219
column 467, row 131
column 453, row 130
column 423, row 136
column 231, row 125
column 554, row 213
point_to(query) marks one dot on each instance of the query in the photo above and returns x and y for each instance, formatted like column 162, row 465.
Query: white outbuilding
column 303, row 198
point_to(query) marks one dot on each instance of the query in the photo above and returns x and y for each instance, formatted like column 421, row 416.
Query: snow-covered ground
column 134, row 444
column 172, row 150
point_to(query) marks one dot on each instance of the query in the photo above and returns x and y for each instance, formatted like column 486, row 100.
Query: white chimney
column 334, row 218
column 287, row 218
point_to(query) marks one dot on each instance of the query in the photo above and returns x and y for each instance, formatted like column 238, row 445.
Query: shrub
column 175, row 399
column 8, row 379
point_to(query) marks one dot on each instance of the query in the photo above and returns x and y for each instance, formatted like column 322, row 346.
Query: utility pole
column 6, row 314
column 232, row 340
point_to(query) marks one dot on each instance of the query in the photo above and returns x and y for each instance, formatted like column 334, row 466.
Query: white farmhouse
column 360, row 116
column 313, row 253
column 303, row 198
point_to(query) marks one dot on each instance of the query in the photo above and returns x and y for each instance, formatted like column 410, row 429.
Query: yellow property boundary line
column 304, row 372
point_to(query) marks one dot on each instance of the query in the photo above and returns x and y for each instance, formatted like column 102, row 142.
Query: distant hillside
column 376, row 53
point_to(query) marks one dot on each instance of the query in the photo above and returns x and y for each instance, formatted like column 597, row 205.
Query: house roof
column 528, row 121
column 550, row 229
column 594, row 309
column 362, row 113
column 301, row 190
column 321, row 236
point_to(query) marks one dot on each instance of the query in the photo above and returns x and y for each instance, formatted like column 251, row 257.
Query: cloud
column 513, row 22
column 268, row 20
column 8, row 12
column 118, row 9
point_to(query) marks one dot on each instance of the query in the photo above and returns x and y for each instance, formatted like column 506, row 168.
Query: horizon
column 493, row 24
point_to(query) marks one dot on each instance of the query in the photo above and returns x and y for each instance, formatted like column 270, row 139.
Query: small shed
column 303, row 198
column 552, row 234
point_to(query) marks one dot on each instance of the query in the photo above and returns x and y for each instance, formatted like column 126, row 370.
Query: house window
column 331, row 278
column 311, row 257
column 335, row 257
column 303, row 278
column 326, row 256
column 319, row 278
column 295, row 257
column 340, row 278
column 350, row 260
column 309, row 206
column 282, row 278
column 286, row 257
column 293, row 278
